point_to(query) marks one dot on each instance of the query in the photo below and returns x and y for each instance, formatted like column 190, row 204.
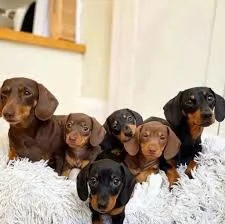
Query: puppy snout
column 102, row 204
column 127, row 131
column 152, row 149
column 72, row 137
column 8, row 114
column 207, row 115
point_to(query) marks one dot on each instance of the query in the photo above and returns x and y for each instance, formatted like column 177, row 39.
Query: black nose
column 102, row 204
column 128, row 131
column 8, row 114
column 207, row 115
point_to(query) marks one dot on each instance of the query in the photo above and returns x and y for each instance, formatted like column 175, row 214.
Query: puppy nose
column 102, row 204
column 8, row 114
column 152, row 149
column 72, row 137
column 207, row 115
column 128, row 131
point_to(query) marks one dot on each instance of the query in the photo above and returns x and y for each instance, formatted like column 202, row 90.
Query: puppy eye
column 116, row 181
column 210, row 98
column 129, row 118
column 190, row 102
column 93, row 181
column 85, row 128
column 162, row 137
column 145, row 135
column 3, row 96
column 114, row 125
column 69, row 125
column 27, row 92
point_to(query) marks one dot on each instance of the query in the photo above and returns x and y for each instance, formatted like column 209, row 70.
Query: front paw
column 188, row 173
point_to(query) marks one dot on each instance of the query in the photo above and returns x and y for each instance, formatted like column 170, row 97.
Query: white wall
column 96, row 33
column 161, row 47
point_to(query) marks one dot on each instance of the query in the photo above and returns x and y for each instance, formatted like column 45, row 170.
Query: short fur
column 34, row 132
column 83, row 134
column 111, row 185
column 120, row 128
column 153, row 142
column 188, row 113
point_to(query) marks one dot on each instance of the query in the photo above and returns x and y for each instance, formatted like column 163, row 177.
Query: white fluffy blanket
column 31, row 193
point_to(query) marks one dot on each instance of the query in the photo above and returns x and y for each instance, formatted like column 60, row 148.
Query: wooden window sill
column 28, row 38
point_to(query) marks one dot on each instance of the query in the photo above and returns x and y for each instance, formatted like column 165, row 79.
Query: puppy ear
column 173, row 145
column 138, row 117
column 62, row 122
column 128, row 187
column 1, row 104
column 46, row 104
column 219, row 107
column 82, row 187
column 107, row 143
column 97, row 133
column 173, row 111
column 132, row 146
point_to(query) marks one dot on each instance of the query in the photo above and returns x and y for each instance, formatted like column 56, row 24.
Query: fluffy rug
column 31, row 193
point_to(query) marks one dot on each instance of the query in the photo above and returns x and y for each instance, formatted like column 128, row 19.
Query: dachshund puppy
column 34, row 133
column 83, row 134
column 111, row 185
column 153, row 141
column 188, row 113
column 120, row 128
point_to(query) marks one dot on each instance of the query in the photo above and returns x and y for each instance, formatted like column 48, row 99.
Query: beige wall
column 164, row 47
column 59, row 71
column 96, row 33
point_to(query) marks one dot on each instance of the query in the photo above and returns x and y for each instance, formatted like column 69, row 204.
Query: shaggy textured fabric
column 31, row 193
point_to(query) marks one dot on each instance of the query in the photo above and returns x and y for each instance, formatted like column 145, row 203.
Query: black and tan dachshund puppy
column 120, row 127
column 111, row 185
column 188, row 113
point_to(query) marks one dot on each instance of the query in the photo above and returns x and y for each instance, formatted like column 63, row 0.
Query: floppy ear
column 128, row 187
column 62, row 122
column 173, row 145
column 97, row 133
column 1, row 105
column 219, row 107
column 107, row 143
column 138, row 117
column 46, row 104
column 132, row 146
column 173, row 111
column 82, row 187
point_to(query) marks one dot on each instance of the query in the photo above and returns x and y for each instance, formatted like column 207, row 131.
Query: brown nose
column 152, row 149
column 72, row 137
column 8, row 115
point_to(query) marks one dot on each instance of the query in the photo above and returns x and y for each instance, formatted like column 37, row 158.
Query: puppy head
column 23, row 98
column 81, row 129
column 122, row 124
column 199, row 106
column 109, row 182
column 154, row 139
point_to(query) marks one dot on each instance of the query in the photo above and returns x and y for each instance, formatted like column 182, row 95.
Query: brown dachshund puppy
column 111, row 185
column 188, row 114
column 83, row 134
column 152, row 141
column 34, row 133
